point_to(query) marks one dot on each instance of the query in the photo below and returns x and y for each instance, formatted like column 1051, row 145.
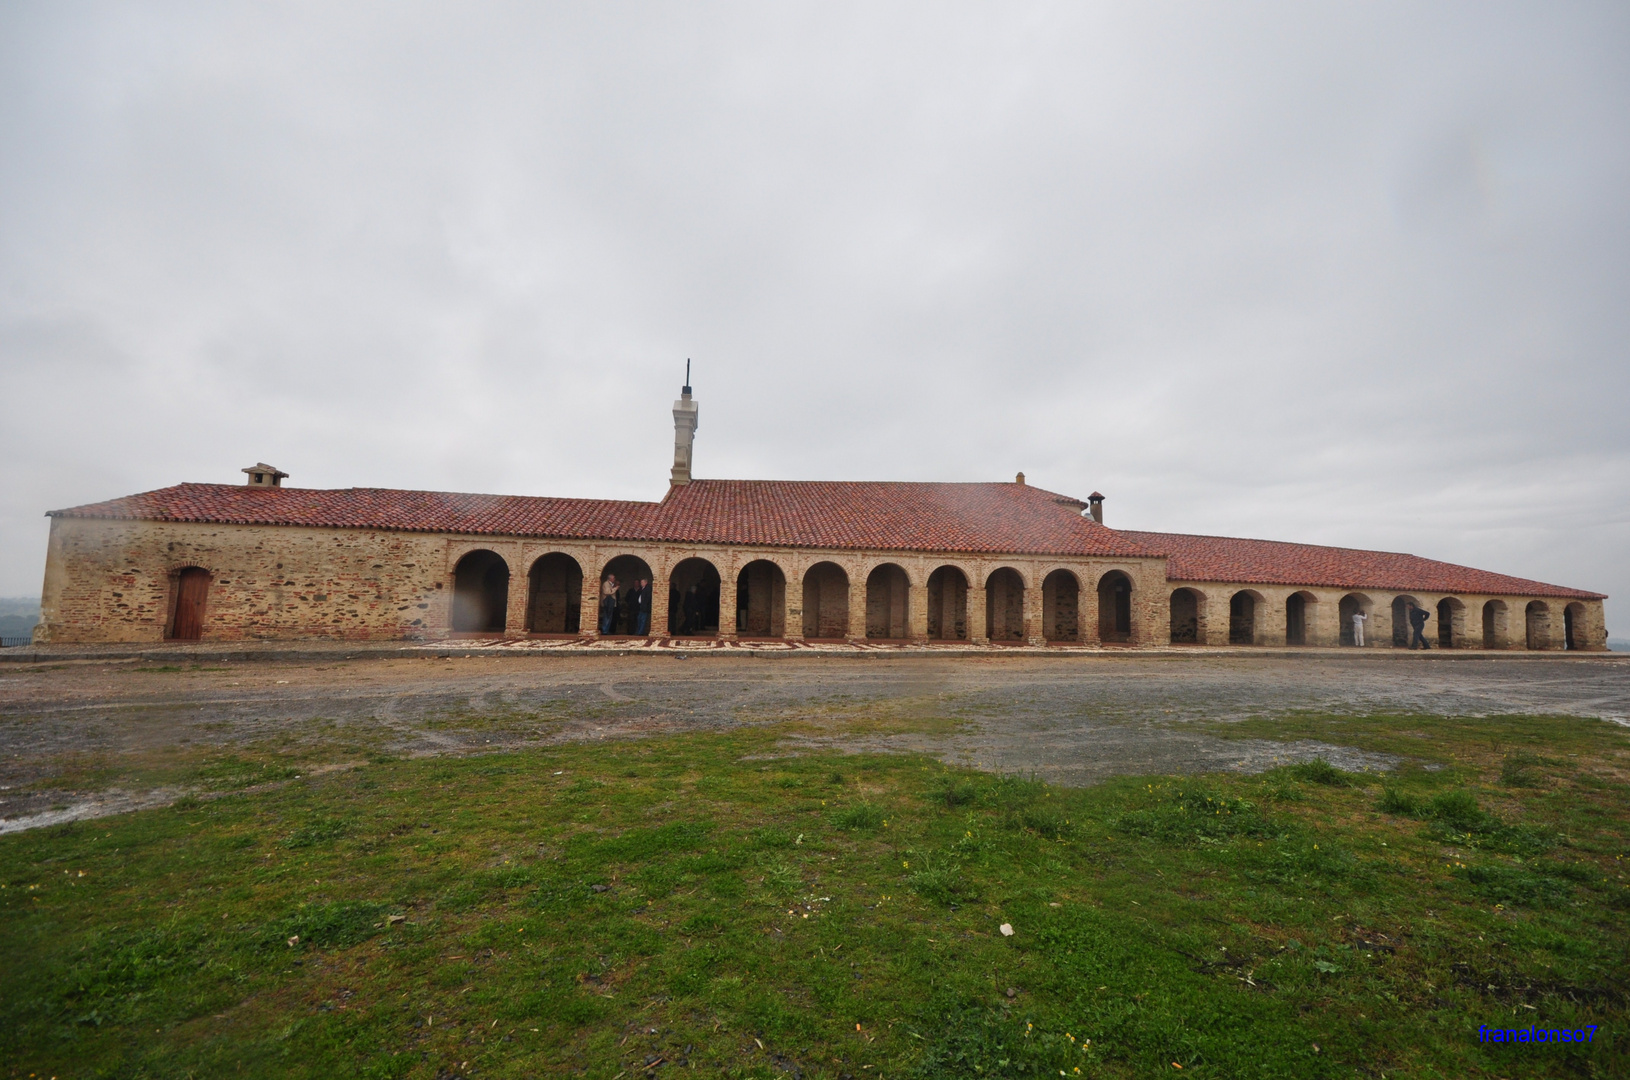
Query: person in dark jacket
column 642, row 607
column 1417, row 619
column 692, row 611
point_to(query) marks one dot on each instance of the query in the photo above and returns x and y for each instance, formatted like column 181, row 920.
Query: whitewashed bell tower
column 685, row 415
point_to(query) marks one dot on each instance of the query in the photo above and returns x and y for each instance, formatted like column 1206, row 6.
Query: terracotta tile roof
column 1273, row 562
column 971, row 518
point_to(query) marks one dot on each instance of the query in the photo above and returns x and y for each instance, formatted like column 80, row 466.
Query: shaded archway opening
column 1004, row 606
column 693, row 599
column 1538, row 620
column 1185, row 611
column 191, row 598
column 1494, row 624
column 761, row 600
column 1300, row 615
column 888, row 602
column 1402, row 631
column 554, row 595
column 948, row 605
column 1114, row 608
column 1573, row 626
column 480, row 593
column 826, row 603
column 1451, row 623
column 619, row 609
column 1242, row 618
column 1061, row 606
column 1352, row 629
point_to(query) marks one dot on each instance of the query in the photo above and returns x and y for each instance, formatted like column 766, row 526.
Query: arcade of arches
column 559, row 599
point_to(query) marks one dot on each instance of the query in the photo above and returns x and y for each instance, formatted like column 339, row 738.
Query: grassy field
column 703, row 904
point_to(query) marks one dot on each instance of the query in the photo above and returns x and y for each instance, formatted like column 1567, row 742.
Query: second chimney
column 1097, row 501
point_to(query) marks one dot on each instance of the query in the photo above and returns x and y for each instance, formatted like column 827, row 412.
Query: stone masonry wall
column 114, row 581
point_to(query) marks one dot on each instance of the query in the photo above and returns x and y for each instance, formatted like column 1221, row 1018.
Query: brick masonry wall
column 114, row 581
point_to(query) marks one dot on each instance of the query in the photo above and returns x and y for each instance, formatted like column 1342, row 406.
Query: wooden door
column 191, row 591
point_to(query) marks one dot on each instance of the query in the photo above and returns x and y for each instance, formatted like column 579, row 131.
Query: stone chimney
column 1019, row 479
column 264, row 475
column 685, row 415
column 1097, row 501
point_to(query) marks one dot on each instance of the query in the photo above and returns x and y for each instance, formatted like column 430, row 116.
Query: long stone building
column 983, row 563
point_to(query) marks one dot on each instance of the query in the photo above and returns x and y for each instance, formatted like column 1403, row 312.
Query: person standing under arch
column 1417, row 623
column 608, row 603
column 1358, row 628
column 642, row 607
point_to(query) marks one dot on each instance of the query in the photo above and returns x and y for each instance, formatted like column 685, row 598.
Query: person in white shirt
column 1358, row 628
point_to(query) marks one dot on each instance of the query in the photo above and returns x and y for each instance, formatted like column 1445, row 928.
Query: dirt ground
column 84, row 738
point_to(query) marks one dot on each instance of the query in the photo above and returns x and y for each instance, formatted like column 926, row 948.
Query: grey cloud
column 1350, row 274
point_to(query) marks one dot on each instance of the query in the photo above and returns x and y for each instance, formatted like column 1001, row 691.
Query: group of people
column 625, row 611
column 628, row 611
column 1417, row 620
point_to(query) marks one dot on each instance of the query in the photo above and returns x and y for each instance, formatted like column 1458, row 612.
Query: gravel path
column 1072, row 720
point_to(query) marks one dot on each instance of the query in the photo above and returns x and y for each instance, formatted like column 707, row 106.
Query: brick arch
column 1401, row 630
column 1005, row 589
column 480, row 592
column 1495, row 628
column 554, row 594
column 1537, row 624
column 761, row 597
column 825, row 585
column 1187, row 612
column 1354, row 603
column 1245, row 610
column 1301, row 618
column 1061, row 604
column 889, row 600
column 1116, row 617
column 947, row 598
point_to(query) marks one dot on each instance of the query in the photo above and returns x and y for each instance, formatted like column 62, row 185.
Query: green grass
column 697, row 904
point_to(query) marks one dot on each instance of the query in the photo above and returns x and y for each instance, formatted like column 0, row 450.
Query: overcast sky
column 1350, row 274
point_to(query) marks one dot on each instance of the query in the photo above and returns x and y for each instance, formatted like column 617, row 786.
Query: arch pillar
column 1034, row 631
column 978, row 628
column 793, row 604
column 857, row 605
column 1086, row 611
column 727, row 602
column 515, row 605
column 659, row 599
column 917, row 613
column 588, row 623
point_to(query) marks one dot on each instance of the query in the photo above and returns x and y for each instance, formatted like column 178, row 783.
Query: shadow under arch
column 1300, row 616
column 618, row 612
column 480, row 593
column 888, row 602
column 761, row 600
column 1004, row 605
column 1352, row 631
column 826, row 602
column 693, row 599
column 1115, row 607
column 1244, row 608
column 554, row 595
column 1495, row 628
column 1187, row 610
column 948, row 604
column 1061, row 606
column 1451, row 623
